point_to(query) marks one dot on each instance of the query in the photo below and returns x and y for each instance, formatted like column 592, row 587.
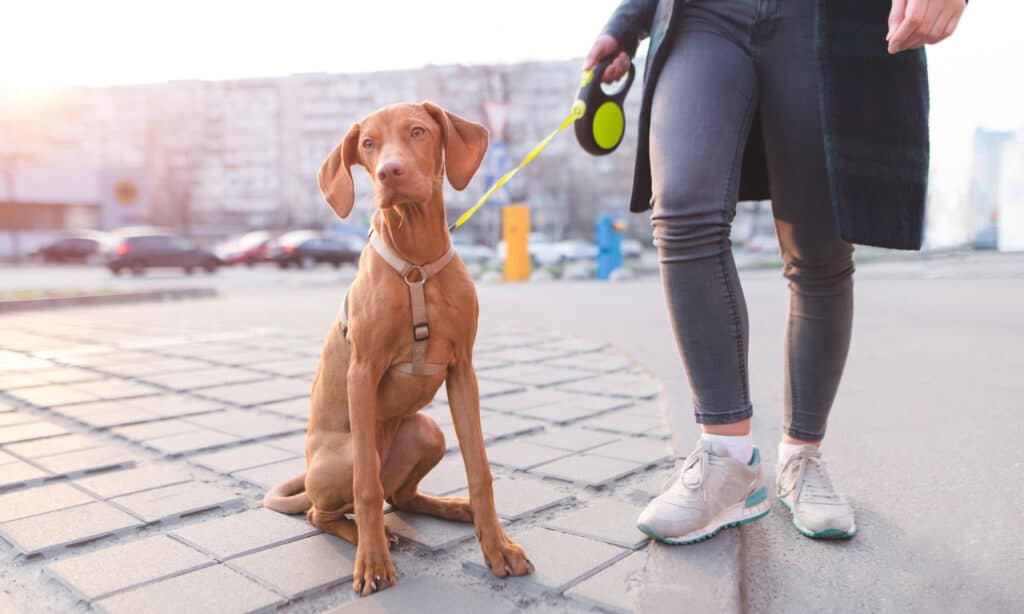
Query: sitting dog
column 408, row 324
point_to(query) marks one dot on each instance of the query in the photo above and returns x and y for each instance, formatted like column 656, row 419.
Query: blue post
column 609, row 246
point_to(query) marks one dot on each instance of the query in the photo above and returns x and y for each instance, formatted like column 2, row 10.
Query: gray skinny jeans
column 730, row 59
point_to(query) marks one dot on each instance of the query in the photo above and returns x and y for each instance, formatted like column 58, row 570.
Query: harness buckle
column 421, row 331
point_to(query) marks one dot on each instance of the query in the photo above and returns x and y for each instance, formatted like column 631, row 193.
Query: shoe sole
column 755, row 507
column 823, row 534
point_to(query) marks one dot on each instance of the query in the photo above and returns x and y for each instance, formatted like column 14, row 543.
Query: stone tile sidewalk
column 134, row 455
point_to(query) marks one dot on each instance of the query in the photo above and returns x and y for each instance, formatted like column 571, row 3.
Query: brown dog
column 408, row 325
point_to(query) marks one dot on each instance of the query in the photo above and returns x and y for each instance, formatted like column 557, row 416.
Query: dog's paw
column 373, row 570
column 508, row 559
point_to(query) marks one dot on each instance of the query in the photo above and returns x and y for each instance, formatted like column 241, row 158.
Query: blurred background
column 192, row 132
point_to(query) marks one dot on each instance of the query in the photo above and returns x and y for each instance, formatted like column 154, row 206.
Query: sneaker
column 712, row 492
column 804, row 487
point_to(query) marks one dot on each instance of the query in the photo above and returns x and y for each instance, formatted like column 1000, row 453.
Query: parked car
column 84, row 247
column 302, row 248
column 249, row 249
column 139, row 252
column 631, row 249
column 473, row 253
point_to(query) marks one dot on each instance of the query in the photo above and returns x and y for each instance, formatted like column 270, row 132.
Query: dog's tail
column 289, row 497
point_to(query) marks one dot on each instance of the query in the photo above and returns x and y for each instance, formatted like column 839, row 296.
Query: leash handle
column 604, row 123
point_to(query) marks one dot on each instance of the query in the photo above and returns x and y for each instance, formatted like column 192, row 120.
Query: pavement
column 136, row 442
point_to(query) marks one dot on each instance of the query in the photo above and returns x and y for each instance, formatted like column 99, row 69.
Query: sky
column 50, row 43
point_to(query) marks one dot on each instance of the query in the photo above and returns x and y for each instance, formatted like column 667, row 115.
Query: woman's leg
column 818, row 265
column 700, row 117
column 703, row 105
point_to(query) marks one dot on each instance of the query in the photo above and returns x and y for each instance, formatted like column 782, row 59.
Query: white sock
column 788, row 451
column 739, row 447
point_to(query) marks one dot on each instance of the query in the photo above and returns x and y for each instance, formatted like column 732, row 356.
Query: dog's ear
column 464, row 143
column 335, row 177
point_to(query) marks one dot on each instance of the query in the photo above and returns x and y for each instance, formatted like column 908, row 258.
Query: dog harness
column 415, row 277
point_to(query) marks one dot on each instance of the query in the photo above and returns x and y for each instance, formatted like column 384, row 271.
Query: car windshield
column 296, row 237
column 252, row 239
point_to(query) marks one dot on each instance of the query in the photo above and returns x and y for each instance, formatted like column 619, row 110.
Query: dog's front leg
column 373, row 568
column 502, row 555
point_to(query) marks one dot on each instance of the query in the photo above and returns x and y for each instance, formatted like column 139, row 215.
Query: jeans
column 729, row 59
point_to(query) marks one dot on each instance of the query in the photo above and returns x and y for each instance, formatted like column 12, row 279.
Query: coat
column 874, row 109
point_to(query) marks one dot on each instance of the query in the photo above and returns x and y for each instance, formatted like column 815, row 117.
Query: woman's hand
column 914, row 23
column 604, row 47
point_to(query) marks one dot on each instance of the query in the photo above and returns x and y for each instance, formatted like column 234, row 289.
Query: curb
column 29, row 304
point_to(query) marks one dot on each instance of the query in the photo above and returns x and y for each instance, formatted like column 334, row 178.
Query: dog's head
column 407, row 149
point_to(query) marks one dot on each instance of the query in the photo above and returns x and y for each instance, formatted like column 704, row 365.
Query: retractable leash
column 599, row 120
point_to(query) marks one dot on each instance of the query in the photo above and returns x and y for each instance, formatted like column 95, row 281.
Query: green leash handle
column 603, row 124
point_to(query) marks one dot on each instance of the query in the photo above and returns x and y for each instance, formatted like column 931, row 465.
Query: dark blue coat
column 874, row 113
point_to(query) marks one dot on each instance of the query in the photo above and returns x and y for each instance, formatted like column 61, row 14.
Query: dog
column 407, row 326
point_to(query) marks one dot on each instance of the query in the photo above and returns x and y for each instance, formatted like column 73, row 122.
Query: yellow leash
column 579, row 108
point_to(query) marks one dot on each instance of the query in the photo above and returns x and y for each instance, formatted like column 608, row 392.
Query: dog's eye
column 418, row 131
column 367, row 144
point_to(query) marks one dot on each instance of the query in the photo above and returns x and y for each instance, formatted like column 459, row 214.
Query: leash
column 600, row 133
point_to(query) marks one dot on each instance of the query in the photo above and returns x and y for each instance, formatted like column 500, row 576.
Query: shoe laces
column 806, row 467
column 695, row 468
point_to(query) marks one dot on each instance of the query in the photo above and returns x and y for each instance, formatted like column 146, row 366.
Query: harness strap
column 415, row 277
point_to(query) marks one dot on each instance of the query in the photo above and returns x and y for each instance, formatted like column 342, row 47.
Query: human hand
column 915, row 23
column 604, row 47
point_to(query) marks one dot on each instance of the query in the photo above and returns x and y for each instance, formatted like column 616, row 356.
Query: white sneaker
column 711, row 493
column 804, row 487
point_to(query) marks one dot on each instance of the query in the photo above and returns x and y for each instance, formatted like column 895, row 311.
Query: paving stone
column 574, row 345
column 627, row 385
column 152, row 430
column 529, row 355
column 192, row 441
column 91, row 459
column 301, row 567
column 296, row 408
column 446, row 477
column 637, row 449
column 428, row 595
column 628, row 424
column 80, row 410
column 615, row 588
column 559, row 414
column 118, row 417
column 598, row 362
column 497, row 426
column 53, row 445
column 97, row 574
column 176, row 405
column 18, row 472
column 248, row 424
column 490, row 388
column 13, row 418
column 39, row 500
column 155, row 367
column 65, row 527
column 273, row 474
column 535, row 375
column 14, row 381
column 246, row 532
column 241, row 457
column 213, row 376
column 30, row 431
column 585, row 469
column 521, row 455
column 211, row 589
column 606, row 520
column 294, row 444
column 428, row 532
column 53, row 395
column 178, row 500
column 289, row 367
column 518, row 498
column 524, row 400
column 560, row 559
column 486, row 362
column 127, row 481
column 573, row 439
column 654, row 483
column 116, row 389
column 258, row 393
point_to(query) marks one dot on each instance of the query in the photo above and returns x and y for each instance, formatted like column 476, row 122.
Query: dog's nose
column 390, row 170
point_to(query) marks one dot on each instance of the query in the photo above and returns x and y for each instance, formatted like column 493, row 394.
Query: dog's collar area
column 415, row 277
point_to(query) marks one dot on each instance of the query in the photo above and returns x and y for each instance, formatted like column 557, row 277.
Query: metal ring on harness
column 414, row 268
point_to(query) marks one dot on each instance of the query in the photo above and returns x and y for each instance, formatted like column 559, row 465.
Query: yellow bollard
column 515, row 224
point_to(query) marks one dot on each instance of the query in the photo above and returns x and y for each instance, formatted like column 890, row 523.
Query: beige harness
column 415, row 277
